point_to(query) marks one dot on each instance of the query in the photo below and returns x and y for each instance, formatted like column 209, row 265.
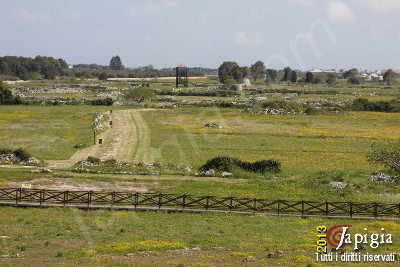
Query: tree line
column 229, row 72
column 27, row 68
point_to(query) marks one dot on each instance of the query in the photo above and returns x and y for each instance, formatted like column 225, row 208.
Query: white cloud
column 31, row 17
column 243, row 38
column 303, row 3
column 151, row 7
column 381, row 6
column 339, row 12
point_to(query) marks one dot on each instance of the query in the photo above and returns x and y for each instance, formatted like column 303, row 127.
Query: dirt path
column 127, row 140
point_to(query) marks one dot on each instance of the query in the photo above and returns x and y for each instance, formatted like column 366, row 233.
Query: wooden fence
column 190, row 202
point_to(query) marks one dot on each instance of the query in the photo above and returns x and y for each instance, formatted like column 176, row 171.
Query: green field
column 304, row 144
column 102, row 238
column 48, row 132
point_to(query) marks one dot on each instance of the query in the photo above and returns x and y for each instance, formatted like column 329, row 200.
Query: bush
column 228, row 164
column 93, row 160
column 102, row 102
column 139, row 94
column 22, row 155
column 361, row 104
column 386, row 154
column 5, row 151
column 285, row 105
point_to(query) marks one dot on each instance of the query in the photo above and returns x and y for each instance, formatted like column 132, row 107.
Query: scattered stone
column 33, row 161
column 35, row 171
column 338, row 185
column 4, row 237
column 226, row 174
column 130, row 255
column 276, row 254
column 212, row 125
column 210, row 172
column 46, row 170
column 380, row 178
column 249, row 259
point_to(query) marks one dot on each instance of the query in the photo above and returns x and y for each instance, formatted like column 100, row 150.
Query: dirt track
column 127, row 140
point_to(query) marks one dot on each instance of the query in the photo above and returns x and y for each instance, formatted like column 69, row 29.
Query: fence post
column 65, row 197
column 159, row 200
column 184, row 201
column 376, row 210
column 89, row 199
column 207, row 202
column 351, row 209
column 255, row 205
column 302, row 208
column 279, row 210
column 41, row 197
column 18, row 195
column 136, row 199
column 326, row 208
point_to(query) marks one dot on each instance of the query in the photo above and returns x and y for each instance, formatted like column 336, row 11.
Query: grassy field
column 304, row 144
column 102, row 238
column 48, row 132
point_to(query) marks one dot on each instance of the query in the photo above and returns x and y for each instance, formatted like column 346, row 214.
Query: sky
column 302, row 34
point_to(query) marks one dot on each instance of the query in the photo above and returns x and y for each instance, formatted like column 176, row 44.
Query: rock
column 249, row 259
column 226, row 174
column 188, row 169
column 35, row 171
column 33, row 161
column 130, row 255
column 338, row 185
column 46, row 170
column 210, row 172
column 380, row 178
column 4, row 237
column 195, row 249
column 211, row 125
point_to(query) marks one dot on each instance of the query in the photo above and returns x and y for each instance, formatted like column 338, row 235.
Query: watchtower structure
column 182, row 75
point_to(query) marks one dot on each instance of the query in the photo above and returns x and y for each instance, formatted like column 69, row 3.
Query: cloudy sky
column 298, row 33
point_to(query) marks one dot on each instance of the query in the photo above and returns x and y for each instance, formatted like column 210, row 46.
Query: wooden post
column 326, row 208
column 351, row 209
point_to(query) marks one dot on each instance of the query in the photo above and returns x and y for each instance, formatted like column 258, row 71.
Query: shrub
column 22, row 155
column 362, row 104
column 386, row 154
column 102, row 102
column 93, row 160
column 285, row 105
column 228, row 164
column 139, row 94
column 5, row 151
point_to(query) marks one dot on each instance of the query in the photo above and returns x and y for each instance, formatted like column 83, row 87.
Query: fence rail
column 190, row 202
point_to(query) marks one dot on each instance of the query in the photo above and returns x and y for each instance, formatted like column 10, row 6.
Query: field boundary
column 191, row 203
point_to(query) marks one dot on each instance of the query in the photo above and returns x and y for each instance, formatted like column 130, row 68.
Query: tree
column 116, row 63
column 271, row 74
column 139, row 94
column 331, row 79
column 225, row 71
column 309, row 77
column 351, row 73
column 229, row 71
column 389, row 77
column 287, row 74
column 293, row 77
column 354, row 80
column 6, row 96
column 103, row 76
column 257, row 70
